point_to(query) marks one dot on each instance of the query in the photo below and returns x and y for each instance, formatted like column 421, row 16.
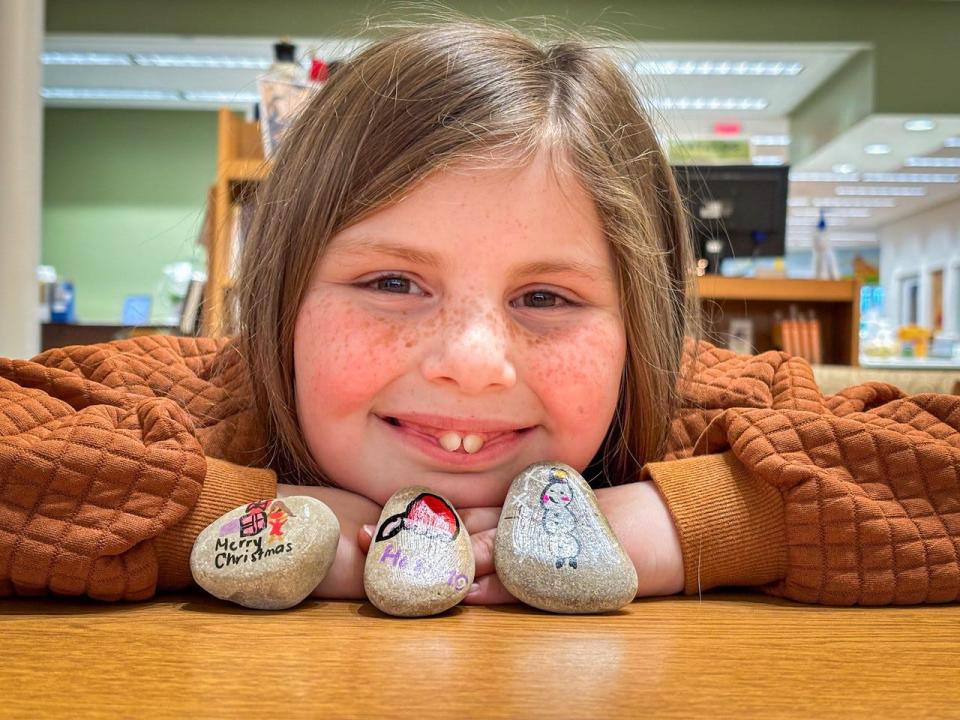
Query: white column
column 21, row 162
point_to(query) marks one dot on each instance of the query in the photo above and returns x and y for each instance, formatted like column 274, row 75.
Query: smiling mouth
column 462, row 442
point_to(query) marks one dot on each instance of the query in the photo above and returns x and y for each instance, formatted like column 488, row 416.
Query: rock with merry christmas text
column 554, row 548
column 420, row 560
column 267, row 555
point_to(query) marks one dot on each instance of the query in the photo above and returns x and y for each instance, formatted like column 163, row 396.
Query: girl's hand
column 344, row 580
column 481, row 523
column 639, row 518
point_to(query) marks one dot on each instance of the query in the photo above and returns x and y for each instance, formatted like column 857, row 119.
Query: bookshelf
column 241, row 166
column 836, row 304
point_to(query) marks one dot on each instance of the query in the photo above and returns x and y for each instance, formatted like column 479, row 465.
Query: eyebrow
column 362, row 244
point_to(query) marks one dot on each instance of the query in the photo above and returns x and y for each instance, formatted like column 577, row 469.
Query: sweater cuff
column 732, row 527
column 225, row 487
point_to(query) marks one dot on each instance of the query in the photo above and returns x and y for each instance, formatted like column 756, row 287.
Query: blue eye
column 542, row 299
column 395, row 284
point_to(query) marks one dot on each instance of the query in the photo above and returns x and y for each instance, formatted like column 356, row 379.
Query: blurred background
column 817, row 143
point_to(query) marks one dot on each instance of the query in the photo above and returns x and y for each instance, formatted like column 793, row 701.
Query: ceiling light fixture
column 844, row 168
column 717, row 67
column 877, row 149
column 919, row 125
column 767, row 160
column 224, row 62
column 854, row 202
column 219, row 96
column 823, row 177
column 952, row 142
column 83, row 93
column 709, row 103
column 85, row 58
column 933, row 162
column 832, row 212
column 912, row 177
column 874, row 191
column 814, row 220
column 770, row 140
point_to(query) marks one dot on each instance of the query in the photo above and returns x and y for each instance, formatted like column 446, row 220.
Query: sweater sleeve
column 102, row 488
column 852, row 499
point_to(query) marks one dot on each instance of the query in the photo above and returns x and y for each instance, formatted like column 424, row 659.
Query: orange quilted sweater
column 113, row 457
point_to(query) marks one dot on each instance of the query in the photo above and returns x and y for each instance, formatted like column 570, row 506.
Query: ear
column 389, row 527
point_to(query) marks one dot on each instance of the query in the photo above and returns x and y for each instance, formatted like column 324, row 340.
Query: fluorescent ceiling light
column 717, row 67
column 877, row 149
column 872, row 190
column 919, row 125
column 770, row 140
column 228, row 62
column 831, row 212
column 208, row 96
column 83, row 93
column 767, row 160
column 85, row 58
column 798, row 202
column 844, row 202
column 912, row 177
column 844, row 168
column 803, row 221
column 952, row 142
column 823, row 177
column 933, row 162
column 710, row 103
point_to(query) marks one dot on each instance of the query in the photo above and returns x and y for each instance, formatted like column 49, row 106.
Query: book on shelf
column 801, row 337
column 192, row 308
column 240, row 222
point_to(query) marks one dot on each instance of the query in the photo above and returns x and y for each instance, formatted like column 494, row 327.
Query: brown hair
column 432, row 95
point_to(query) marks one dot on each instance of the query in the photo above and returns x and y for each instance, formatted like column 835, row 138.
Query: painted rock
column 555, row 549
column 420, row 560
column 267, row 555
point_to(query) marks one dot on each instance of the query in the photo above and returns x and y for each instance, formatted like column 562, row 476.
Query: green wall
column 123, row 195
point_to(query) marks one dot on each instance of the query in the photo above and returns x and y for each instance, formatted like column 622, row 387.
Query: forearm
column 640, row 519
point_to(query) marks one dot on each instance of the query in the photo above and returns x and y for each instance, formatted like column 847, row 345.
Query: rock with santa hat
column 420, row 560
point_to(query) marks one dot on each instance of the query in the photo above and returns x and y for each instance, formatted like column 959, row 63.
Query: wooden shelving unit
column 240, row 166
column 836, row 304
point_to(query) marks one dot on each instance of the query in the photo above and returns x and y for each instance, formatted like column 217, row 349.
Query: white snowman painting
column 559, row 522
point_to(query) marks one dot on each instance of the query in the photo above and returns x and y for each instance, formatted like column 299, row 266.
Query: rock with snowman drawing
column 420, row 560
column 555, row 549
column 267, row 555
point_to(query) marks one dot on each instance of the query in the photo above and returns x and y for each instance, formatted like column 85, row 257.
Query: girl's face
column 479, row 313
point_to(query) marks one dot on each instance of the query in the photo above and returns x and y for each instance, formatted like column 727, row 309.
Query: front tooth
column 450, row 441
column 472, row 443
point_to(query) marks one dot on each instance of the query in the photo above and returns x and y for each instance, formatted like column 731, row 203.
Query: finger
column 365, row 537
column 489, row 591
column 481, row 518
column 483, row 544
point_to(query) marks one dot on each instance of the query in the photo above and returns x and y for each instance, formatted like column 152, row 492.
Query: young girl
column 470, row 256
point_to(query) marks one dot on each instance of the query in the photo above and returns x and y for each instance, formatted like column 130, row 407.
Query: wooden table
column 725, row 656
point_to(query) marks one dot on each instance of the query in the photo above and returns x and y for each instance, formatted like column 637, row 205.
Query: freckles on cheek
column 579, row 368
column 345, row 355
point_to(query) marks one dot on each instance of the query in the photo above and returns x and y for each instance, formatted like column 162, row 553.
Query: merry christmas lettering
column 245, row 550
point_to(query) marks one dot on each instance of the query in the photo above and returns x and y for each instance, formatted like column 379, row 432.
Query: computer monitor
column 735, row 210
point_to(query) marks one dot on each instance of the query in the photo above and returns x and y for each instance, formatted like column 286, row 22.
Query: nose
column 472, row 353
